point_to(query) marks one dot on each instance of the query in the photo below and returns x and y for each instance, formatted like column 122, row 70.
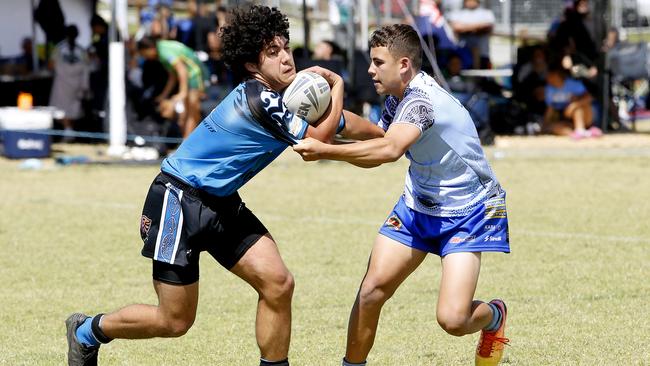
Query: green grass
column 576, row 282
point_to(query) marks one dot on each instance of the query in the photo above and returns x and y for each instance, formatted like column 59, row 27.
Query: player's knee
column 373, row 293
column 179, row 327
column 280, row 289
column 453, row 323
column 176, row 326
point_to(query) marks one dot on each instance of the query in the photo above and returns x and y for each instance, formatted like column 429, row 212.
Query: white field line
column 377, row 224
column 372, row 223
column 74, row 202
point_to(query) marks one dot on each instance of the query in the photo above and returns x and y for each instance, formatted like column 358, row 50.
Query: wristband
column 341, row 124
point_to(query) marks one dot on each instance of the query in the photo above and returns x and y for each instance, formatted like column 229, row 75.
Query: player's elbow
column 367, row 165
column 392, row 153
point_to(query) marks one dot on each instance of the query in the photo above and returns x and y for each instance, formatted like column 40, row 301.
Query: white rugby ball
column 308, row 96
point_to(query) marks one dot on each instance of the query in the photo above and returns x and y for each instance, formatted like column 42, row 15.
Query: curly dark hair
column 248, row 31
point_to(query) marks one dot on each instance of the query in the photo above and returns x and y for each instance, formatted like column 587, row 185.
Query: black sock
column 97, row 331
column 284, row 362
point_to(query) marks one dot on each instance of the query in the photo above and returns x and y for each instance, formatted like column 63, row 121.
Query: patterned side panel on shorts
column 171, row 226
column 495, row 208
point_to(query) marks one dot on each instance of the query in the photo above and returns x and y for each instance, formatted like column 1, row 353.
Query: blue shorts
column 484, row 230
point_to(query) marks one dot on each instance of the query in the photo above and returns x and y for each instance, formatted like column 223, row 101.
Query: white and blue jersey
column 241, row 136
column 452, row 201
column 448, row 174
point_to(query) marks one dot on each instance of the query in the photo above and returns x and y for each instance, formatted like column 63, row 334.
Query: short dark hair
column 248, row 31
column 98, row 20
column 401, row 40
column 146, row 43
column 556, row 67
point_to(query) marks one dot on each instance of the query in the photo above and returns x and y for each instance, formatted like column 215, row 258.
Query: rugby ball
column 308, row 96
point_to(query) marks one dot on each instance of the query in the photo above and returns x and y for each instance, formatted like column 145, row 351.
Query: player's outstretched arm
column 181, row 72
column 359, row 128
column 373, row 152
column 325, row 129
column 169, row 85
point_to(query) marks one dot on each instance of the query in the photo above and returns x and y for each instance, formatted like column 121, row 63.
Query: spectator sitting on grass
column 568, row 111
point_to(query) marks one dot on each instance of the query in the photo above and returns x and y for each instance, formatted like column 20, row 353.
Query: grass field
column 577, row 282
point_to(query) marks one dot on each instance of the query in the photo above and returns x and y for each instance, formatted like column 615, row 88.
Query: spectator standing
column 575, row 30
column 70, row 64
column 431, row 21
column 474, row 25
column 575, row 42
column 156, row 19
column 98, row 61
column 185, row 28
column 203, row 25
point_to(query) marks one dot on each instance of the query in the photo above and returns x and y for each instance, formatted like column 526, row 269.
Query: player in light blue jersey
column 452, row 205
column 193, row 206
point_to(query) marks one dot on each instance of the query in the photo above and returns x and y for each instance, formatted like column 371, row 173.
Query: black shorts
column 179, row 222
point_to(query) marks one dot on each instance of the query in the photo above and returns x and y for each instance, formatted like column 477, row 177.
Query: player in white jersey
column 452, row 205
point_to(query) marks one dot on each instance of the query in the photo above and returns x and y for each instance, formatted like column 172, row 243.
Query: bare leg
column 173, row 316
column 580, row 114
column 192, row 112
column 263, row 268
column 68, row 130
column 67, row 123
column 182, row 119
column 458, row 314
column 558, row 128
column 390, row 264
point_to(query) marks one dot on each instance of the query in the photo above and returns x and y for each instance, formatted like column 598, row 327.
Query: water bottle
column 72, row 159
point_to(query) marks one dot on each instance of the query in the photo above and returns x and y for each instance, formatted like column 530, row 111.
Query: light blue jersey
column 241, row 136
column 448, row 175
column 560, row 98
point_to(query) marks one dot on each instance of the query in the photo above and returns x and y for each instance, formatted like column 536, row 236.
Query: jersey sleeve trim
column 269, row 111
column 415, row 111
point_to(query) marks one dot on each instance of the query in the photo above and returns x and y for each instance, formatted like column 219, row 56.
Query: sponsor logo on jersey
column 462, row 239
column 493, row 238
column 394, row 222
column 493, row 227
